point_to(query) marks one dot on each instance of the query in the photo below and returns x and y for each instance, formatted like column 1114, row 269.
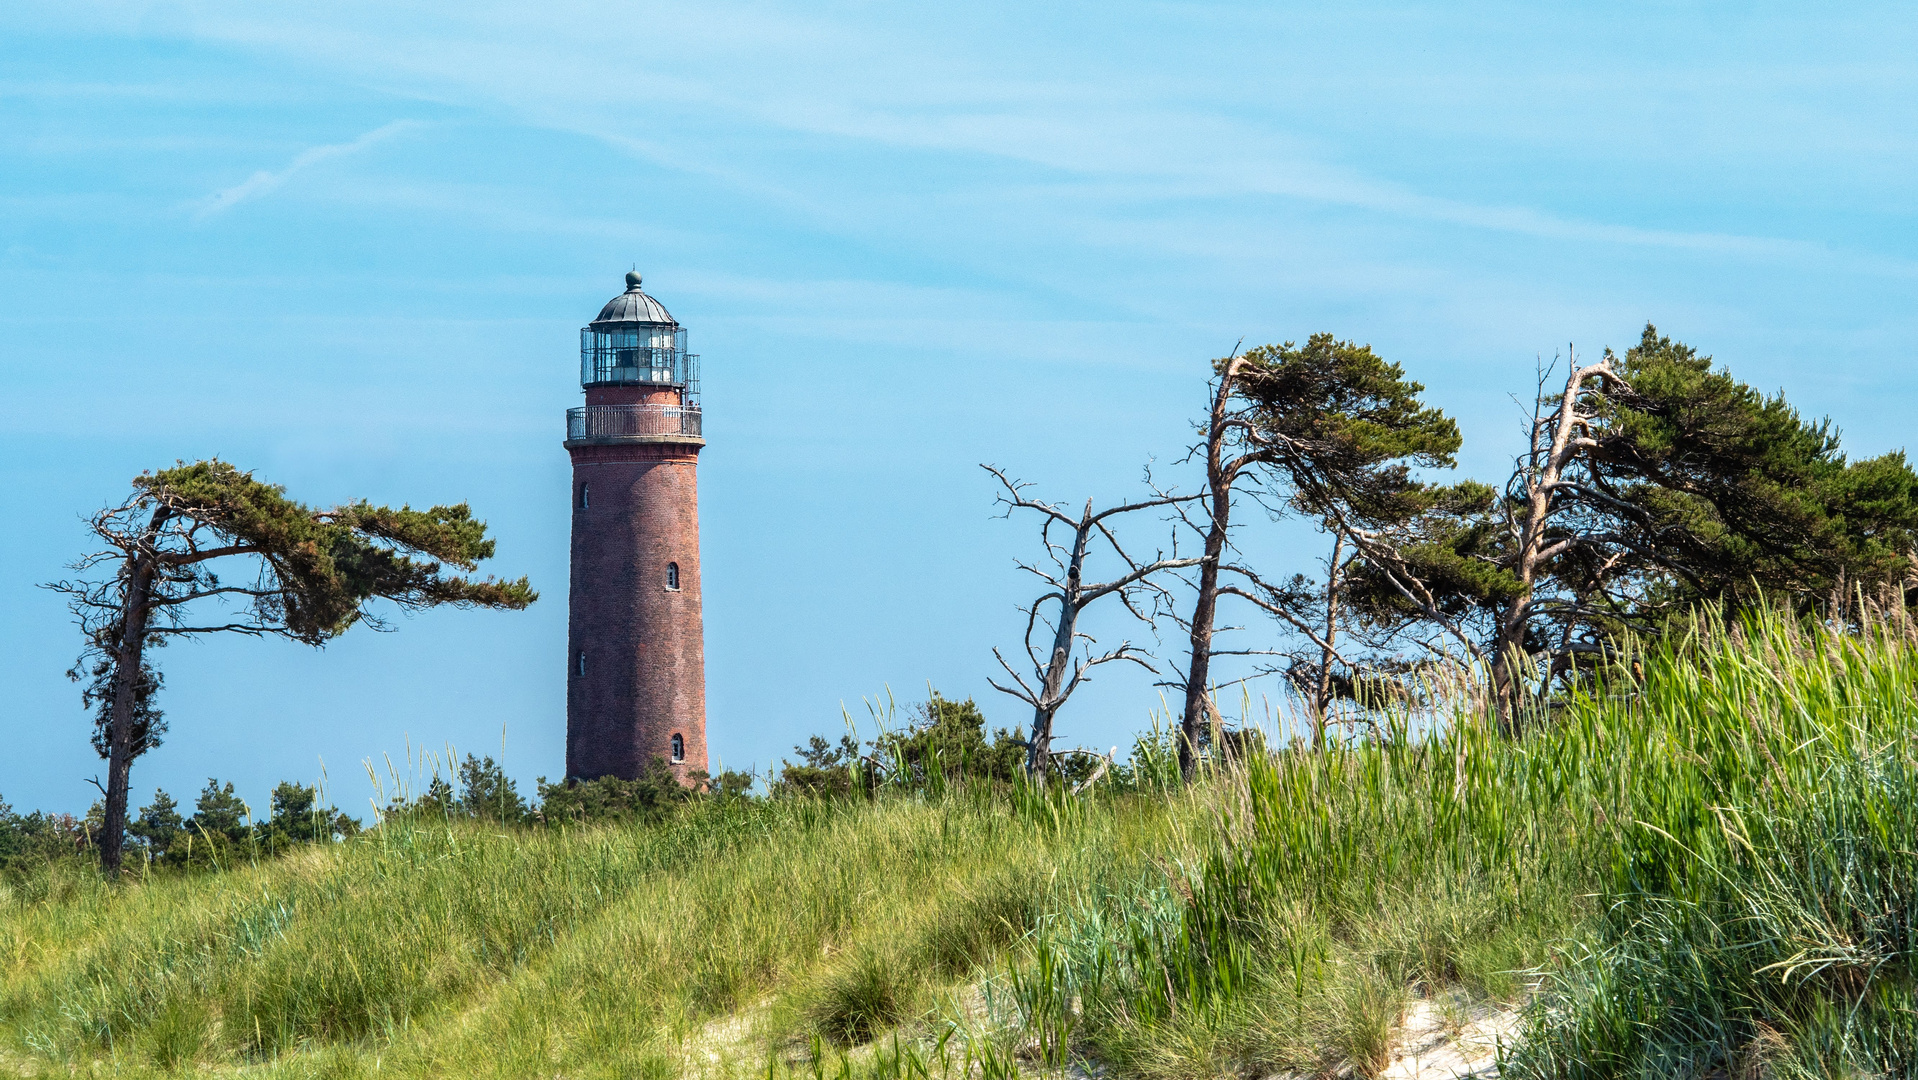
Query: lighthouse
column 636, row 660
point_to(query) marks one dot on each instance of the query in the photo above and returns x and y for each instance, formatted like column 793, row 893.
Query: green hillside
column 1706, row 871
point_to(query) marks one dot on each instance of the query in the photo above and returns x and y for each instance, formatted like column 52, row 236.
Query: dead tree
column 1222, row 470
column 1053, row 617
column 1540, row 489
column 1309, row 610
column 1551, row 513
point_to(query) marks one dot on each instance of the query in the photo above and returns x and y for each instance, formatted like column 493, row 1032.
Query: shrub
column 650, row 797
column 159, row 829
column 824, row 770
column 26, row 839
column 488, row 794
column 298, row 818
column 946, row 742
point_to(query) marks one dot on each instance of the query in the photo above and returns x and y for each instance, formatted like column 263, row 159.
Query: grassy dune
column 419, row 950
column 1704, row 870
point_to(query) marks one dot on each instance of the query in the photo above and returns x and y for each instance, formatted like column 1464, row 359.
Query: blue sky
column 349, row 246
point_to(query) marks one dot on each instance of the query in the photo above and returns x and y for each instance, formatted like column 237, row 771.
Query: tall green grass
column 1758, row 857
column 1701, row 867
column 725, row 935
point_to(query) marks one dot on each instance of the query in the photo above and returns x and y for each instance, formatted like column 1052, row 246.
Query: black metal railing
column 631, row 421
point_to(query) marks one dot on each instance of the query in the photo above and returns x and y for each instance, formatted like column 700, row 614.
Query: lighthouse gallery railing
column 628, row 421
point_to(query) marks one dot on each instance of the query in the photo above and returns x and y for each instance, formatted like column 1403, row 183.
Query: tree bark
column 128, row 654
column 1199, row 671
column 1218, row 479
column 1328, row 651
column 1542, row 477
column 1059, row 662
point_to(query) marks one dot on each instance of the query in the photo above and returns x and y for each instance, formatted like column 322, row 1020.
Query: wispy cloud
column 262, row 182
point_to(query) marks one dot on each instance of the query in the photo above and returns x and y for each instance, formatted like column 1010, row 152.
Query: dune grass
column 1703, row 869
column 728, row 934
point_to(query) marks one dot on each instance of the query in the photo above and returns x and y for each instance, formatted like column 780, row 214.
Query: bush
column 867, row 993
column 488, row 794
column 945, row 742
column 159, row 829
column 26, row 839
column 298, row 818
column 824, row 770
column 650, row 797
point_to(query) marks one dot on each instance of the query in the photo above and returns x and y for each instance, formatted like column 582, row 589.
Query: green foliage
column 219, row 814
column 320, row 567
column 148, row 720
column 1455, row 546
column 308, row 575
column 824, row 769
column 1690, row 488
column 160, row 829
column 28, row 840
column 438, row 799
column 1344, row 428
column 652, row 797
column 946, row 742
column 1739, row 492
column 488, row 794
column 1335, row 431
column 298, row 817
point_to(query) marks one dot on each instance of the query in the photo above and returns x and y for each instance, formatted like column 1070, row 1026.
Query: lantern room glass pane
column 636, row 354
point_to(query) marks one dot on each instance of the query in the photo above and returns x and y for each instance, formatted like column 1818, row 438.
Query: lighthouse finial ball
column 632, row 279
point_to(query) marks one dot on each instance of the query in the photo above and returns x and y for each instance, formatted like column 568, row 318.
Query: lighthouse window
column 582, row 663
column 672, row 575
column 679, row 748
column 585, row 496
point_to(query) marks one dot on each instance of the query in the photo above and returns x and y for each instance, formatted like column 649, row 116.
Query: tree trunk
column 1549, row 463
column 1059, row 663
column 129, row 653
column 1508, row 648
column 1198, row 673
column 1039, row 748
column 1322, row 702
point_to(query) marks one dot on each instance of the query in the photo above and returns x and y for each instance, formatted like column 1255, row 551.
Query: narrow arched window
column 582, row 663
column 585, row 496
column 672, row 575
column 679, row 748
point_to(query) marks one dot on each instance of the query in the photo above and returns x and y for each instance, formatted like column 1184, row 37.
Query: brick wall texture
column 644, row 673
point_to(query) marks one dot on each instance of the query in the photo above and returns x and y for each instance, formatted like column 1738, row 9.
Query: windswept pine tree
column 205, row 548
column 1651, row 484
column 1330, row 430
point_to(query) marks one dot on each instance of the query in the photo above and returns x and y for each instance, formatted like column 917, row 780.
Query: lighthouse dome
column 633, row 306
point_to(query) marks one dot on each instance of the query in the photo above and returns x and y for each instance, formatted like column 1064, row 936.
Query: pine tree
column 307, row 574
column 159, row 827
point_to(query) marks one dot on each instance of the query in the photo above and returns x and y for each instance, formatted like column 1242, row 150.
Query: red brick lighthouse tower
column 636, row 664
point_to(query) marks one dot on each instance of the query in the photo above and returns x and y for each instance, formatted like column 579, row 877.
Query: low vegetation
column 730, row 930
column 1699, row 864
